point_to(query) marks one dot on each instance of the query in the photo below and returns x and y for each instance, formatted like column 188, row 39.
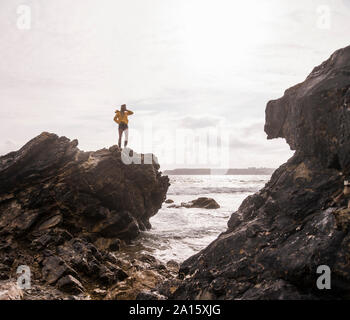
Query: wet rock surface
column 202, row 203
column 299, row 220
column 10, row 291
column 146, row 280
column 63, row 213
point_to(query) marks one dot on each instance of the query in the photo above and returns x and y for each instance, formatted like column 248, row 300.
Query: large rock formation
column 62, row 211
column 299, row 221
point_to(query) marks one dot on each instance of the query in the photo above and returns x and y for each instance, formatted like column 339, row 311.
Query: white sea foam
column 179, row 233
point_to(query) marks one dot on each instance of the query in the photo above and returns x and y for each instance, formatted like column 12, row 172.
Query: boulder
column 70, row 285
column 173, row 265
column 54, row 268
column 203, row 203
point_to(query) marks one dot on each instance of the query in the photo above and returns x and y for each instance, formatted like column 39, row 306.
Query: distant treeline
column 233, row 172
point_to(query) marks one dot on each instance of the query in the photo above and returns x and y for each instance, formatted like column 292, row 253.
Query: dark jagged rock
column 147, row 276
column 148, row 295
column 50, row 182
column 70, row 285
column 202, row 203
column 62, row 211
column 314, row 116
column 299, row 220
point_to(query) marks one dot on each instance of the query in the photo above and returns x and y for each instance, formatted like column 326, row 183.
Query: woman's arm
column 117, row 118
column 129, row 112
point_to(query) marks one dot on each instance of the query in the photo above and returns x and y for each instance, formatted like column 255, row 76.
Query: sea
column 179, row 233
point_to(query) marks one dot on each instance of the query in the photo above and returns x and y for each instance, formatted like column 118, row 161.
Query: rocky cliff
column 299, row 220
column 62, row 211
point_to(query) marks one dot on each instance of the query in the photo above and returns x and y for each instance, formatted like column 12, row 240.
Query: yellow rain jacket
column 122, row 117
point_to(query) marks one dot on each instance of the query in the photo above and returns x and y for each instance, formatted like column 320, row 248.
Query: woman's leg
column 120, row 131
column 126, row 137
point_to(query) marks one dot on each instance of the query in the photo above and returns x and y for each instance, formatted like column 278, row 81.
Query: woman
column 121, row 118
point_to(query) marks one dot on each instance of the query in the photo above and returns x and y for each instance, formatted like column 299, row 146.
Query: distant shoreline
column 227, row 172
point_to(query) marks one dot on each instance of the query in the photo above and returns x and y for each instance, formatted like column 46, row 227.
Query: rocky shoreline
column 65, row 213
column 69, row 215
column 143, row 279
column 279, row 237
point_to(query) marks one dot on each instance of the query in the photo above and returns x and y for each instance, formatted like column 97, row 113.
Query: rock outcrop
column 299, row 221
column 63, row 211
column 201, row 203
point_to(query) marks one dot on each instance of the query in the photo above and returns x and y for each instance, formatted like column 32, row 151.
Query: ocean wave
column 187, row 235
column 211, row 190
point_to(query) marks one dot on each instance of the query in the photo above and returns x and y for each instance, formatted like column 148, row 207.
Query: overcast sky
column 205, row 66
